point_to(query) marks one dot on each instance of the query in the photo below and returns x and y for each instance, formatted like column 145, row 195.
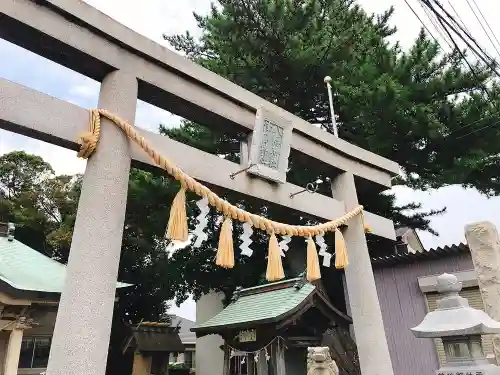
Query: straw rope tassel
column 89, row 141
column 225, row 253
column 367, row 228
column 341, row 260
column 177, row 224
column 313, row 271
column 274, row 266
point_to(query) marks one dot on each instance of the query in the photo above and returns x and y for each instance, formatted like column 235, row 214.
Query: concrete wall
column 404, row 306
column 209, row 356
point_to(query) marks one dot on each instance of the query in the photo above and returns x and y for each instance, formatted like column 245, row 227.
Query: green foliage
column 20, row 172
column 42, row 205
column 409, row 106
column 178, row 366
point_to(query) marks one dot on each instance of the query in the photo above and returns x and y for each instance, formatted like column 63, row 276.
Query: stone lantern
column 460, row 327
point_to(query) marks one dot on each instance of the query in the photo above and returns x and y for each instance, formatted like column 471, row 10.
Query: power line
column 429, row 8
column 458, row 16
column 477, row 130
column 485, row 91
column 422, row 22
column 486, row 21
column 463, row 29
column 483, row 55
column 429, row 16
column 482, row 26
column 443, row 21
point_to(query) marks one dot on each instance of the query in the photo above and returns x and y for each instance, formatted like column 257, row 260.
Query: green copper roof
column 26, row 269
column 261, row 304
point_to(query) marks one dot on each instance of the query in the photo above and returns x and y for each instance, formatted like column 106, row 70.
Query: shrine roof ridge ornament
column 93, row 44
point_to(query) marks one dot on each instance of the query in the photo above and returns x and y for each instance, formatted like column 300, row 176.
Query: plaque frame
column 270, row 130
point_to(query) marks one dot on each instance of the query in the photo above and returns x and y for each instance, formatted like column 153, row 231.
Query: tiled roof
column 261, row 304
column 401, row 231
column 185, row 325
column 156, row 338
column 437, row 253
column 26, row 269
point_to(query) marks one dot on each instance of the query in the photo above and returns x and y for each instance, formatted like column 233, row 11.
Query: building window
column 34, row 352
column 188, row 359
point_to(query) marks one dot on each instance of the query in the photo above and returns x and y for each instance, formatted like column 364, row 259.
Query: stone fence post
column 484, row 245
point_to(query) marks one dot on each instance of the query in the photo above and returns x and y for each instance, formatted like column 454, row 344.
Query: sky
column 152, row 18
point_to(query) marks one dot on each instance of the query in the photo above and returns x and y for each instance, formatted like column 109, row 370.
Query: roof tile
column 259, row 307
column 24, row 268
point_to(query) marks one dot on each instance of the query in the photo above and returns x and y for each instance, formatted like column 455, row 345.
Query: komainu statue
column 319, row 362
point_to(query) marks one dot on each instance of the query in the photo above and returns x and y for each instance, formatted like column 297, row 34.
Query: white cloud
column 464, row 206
column 63, row 161
column 84, row 90
column 150, row 117
column 153, row 18
column 186, row 310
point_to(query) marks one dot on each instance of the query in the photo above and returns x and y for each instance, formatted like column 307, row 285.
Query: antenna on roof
column 328, row 81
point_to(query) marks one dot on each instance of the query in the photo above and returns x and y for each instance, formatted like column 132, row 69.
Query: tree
column 410, row 106
column 44, row 205
column 20, row 172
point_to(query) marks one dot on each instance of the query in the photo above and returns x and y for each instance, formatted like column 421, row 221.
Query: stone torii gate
column 129, row 66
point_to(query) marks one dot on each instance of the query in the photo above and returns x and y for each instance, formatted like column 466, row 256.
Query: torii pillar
column 83, row 325
column 373, row 351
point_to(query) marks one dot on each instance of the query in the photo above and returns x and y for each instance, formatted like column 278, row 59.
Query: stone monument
column 484, row 245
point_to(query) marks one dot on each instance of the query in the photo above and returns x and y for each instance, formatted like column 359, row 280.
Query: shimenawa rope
column 177, row 229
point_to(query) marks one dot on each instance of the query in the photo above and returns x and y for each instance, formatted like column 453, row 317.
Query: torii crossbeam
column 129, row 66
